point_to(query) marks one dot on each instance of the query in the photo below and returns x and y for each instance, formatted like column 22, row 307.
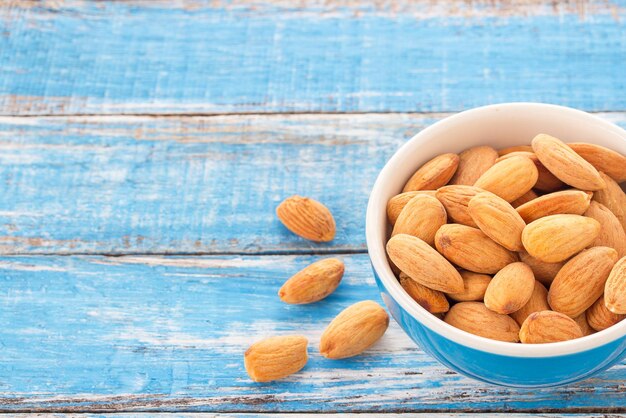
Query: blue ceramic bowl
column 500, row 363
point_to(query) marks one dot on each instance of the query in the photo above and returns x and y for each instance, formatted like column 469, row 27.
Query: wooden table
column 145, row 145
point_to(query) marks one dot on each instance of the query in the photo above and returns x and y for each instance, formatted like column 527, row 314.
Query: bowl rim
column 378, row 258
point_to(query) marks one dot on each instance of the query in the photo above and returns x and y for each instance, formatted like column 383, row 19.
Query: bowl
column 500, row 363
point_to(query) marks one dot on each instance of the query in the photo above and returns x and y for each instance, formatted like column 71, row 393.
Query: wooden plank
column 168, row 334
column 198, row 185
column 187, row 185
column 206, row 56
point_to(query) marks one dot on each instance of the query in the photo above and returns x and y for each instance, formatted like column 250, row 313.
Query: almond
column 354, row 330
column 544, row 272
column 525, row 198
column 421, row 217
column 603, row 159
column 581, row 281
column 497, row 219
column 546, row 181
column 276, row 357
column 433, row 301
column 613, row 198
column 510, row 289
column 515, row 148
column 422, row 263
column 510, row 178
column 555, row 238
column 455, row 200
column 475, row 318
column 538, row 302
column 307, row 218
column 548, row 327
column 600, row 318
column 611, row 232
column 434, row 174
column 471, row 249
column 313, row 283
column 565, row 164
column 573, row 202
column 615, row 288
column 474, row 287
column 397, row 203
column 581, row 320
column 473, row 163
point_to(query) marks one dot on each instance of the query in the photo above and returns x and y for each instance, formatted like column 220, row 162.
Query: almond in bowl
column 505, row 293
column 470, row 225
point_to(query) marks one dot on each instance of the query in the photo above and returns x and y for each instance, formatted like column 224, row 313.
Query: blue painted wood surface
column 219, row 57
column 161, row 333
column 120, row 185
column 168, row 333
column 187, row 185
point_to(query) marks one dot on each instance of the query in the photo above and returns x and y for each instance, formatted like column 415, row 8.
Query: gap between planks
column 303, row 253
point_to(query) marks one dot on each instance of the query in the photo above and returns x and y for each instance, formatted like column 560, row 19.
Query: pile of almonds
column 525, row 244
column 354, row 330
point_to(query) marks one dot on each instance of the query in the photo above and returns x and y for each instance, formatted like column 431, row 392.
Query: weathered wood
column 124, row 184
column 168, row 334
column 205, row 56
column 187, row 185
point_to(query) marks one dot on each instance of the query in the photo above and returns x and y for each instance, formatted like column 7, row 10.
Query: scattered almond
column 421, row 217
column 498, row 220
column 397, row 203
column 455, row 200
column 548, row 327
column 581, row 281
column 434, row 174
column 544, row 272
column 510, row 289
column 433, row 301
column 611, row 232
column 276, row 357
column 475, row 318
column 422, row 263
column 538, row 302
column 600, row 318
column 473, row 163
column 510, row 178
column 573, row 202
column 307, row 218
column 471, row 249
column 354, row 330
column 313, row 283
column 474, row 287
column 613, row 198
column 615, row 288
column 565, row 164
column 603, row 159
column 555, row 238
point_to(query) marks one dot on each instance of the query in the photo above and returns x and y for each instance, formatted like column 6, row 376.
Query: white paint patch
column 198, row 262
column 10, row 265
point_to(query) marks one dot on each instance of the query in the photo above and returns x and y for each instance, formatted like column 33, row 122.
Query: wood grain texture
column 80, row 57
column 168, row 333
column 194, row 185
column 187, row 185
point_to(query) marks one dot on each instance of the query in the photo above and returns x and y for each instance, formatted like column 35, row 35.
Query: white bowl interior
column 498, row 126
